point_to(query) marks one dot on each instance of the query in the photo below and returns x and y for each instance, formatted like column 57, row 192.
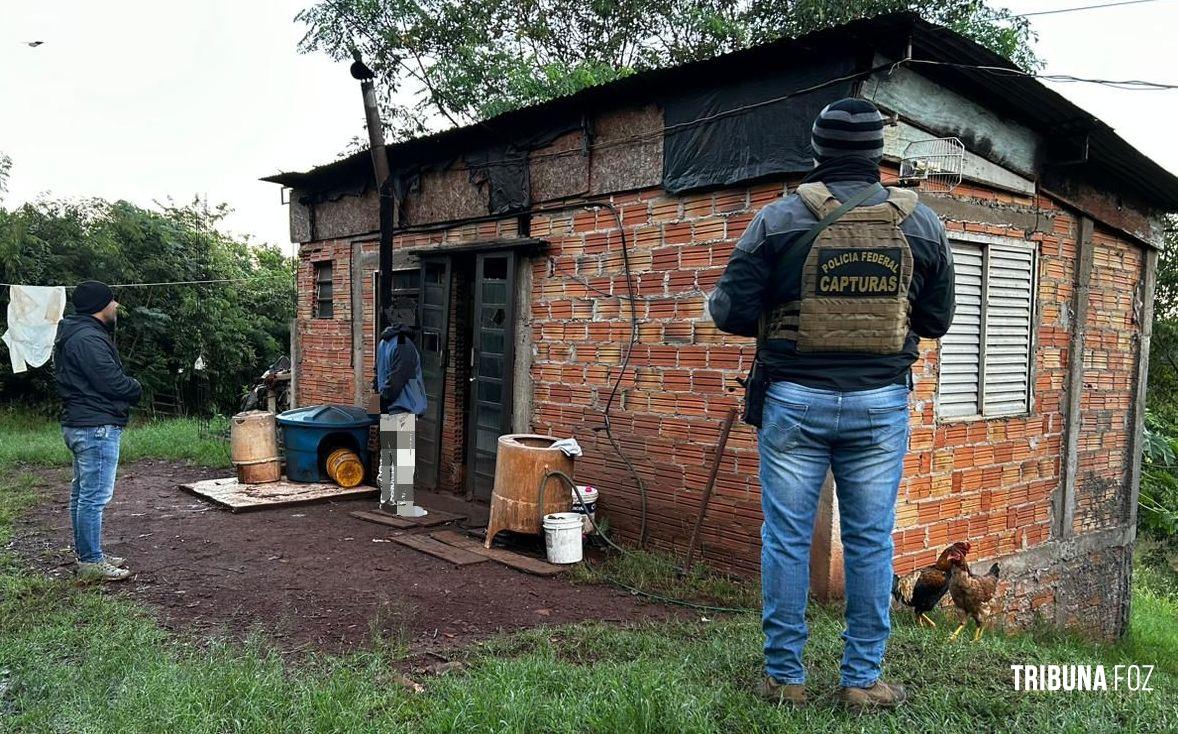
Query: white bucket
column 562, row 537
column 587, row 510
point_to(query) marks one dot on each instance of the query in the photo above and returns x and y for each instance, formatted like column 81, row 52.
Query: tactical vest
column 855, row 279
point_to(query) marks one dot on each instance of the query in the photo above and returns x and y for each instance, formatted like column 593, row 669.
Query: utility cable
column 681, row 295
column 1133, row 85
column 607, row 426
column 170, row 283
column 661, row 132
column 1082, row 7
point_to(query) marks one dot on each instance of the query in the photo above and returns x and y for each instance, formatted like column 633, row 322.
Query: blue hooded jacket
column 398, row 372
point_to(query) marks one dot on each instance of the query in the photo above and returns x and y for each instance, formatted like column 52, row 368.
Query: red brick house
column 1027, row 416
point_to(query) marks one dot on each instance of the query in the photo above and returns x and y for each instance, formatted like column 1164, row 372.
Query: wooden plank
column 435, row 518
column 517, row 561
column 1145, row 299
column 237, row 497
column 1065, row 504
column 457, row 556
column 383, row 518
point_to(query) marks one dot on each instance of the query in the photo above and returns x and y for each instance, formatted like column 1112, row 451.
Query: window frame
column 317, row 301
column 986, row 242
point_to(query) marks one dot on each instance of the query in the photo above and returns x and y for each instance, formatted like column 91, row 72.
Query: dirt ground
column 307, row 577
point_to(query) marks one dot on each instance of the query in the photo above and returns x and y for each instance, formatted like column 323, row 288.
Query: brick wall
column 324, row 371
column 1106, row 405
column 992, row 481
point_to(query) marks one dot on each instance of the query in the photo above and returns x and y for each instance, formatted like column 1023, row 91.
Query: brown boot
column 793, row 694
column 880, row 695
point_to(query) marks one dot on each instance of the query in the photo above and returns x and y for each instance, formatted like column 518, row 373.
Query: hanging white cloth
column 33, row 313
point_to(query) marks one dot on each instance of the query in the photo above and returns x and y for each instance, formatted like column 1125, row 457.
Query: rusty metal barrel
column 344, row 468
column 253, row 447
column 523, row 460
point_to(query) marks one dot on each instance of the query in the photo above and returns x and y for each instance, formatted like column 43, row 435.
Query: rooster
column 924, row 588
column 972, row 595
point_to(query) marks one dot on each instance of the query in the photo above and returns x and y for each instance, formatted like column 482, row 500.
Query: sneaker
column 793, row 694
column 116, row 561
column 879, row 695
column 104, row 571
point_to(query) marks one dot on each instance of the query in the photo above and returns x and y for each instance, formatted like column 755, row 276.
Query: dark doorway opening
column 466, row 314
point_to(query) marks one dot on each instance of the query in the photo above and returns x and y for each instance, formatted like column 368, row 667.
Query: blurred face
column 110, row 314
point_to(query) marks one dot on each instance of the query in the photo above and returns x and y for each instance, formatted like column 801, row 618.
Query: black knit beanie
column 849, row 126
column 91, row 296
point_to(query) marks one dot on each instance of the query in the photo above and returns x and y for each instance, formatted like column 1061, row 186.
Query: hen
column 972, row 595
column 924, row 588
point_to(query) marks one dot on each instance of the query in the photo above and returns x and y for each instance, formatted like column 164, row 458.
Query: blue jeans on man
column 860, row 436
column 96, row 458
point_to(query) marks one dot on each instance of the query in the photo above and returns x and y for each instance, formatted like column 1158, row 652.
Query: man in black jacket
column 96, row 396
column 839, row 312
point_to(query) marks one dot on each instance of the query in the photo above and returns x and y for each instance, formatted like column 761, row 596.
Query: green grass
column 659, row 574
column 77, row 660
column 36, row 440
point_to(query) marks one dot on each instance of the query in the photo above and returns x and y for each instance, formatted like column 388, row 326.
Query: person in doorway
column 402, row 398
column 96, row 396
column 839, row 281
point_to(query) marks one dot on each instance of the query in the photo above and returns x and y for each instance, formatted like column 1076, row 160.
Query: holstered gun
column 755, row 387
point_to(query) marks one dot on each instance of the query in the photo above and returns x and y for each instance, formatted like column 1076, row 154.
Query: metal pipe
column 384, row 192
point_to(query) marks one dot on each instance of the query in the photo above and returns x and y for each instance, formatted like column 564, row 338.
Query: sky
column 147, row 101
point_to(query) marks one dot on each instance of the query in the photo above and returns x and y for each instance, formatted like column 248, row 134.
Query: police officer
column 838, row 281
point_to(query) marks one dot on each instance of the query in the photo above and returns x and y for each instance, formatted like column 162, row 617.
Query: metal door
column 492, row 362
column 435, row 321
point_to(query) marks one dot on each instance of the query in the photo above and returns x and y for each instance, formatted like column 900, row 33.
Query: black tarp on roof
column 762, row 139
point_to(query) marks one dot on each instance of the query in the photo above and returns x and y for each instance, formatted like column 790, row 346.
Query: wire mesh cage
column 934, row 164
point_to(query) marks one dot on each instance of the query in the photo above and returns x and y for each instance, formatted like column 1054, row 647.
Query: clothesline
column 173, row 282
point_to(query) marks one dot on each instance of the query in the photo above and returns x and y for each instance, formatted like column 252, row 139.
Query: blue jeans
column 861, row 437
column 96, row 457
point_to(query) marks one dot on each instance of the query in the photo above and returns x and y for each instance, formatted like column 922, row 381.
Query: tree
column 5, row 169
column 237, row 328
column 1163, row 347
column 470, row 61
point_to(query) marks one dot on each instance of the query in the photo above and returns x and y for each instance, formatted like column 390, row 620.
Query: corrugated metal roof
column 1116, row 165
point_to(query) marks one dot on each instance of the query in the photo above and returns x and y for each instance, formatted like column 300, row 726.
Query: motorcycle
column 272, row 391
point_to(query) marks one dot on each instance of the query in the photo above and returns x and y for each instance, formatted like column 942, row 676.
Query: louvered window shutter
column 986, row 356
column 961, row 348
column 1010, row 284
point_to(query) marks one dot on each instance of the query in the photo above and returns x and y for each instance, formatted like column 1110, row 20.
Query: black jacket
column 766, row 270
column 94, row 389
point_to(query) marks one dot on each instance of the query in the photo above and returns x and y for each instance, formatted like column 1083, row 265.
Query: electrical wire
column 1133, row 85
column 555, row 474
column 661, row 132
column 679, row 602
column 682, row 295
column 173, row 282
column 607, row 426
column 1082, row 7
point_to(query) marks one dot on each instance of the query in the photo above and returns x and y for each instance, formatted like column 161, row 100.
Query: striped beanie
column 849, row 126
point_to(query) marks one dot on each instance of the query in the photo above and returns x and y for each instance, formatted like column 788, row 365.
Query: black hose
column 580, row 498
column 622, row 551
column 607, row 427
